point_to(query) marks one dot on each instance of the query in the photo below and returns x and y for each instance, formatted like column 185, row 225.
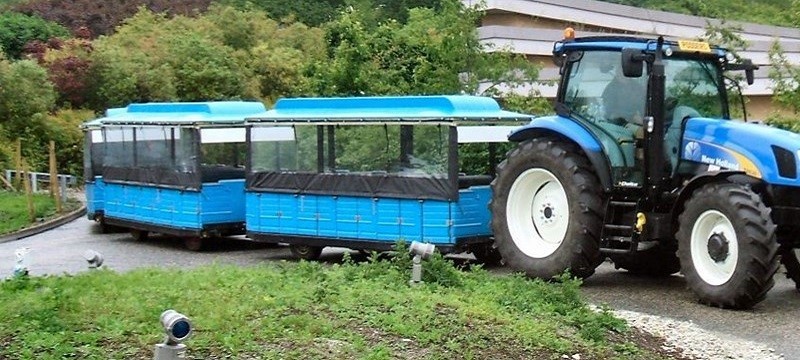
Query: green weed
column 362, row 310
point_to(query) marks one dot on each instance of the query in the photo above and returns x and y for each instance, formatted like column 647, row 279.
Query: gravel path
column 696, row 343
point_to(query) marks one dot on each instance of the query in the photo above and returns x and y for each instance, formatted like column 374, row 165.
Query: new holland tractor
column 642, row 164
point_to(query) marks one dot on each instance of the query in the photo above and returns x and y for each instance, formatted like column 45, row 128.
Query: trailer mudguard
column 572, row 131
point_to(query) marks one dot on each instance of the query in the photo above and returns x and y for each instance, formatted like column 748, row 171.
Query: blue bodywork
column 739, row 146
column 216, row 205
column 95, row 197
column 385, row 220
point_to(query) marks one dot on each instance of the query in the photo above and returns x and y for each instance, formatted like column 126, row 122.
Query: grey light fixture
column 178, row 328
column 420, row 251
column 94, row 258
column 21, row 264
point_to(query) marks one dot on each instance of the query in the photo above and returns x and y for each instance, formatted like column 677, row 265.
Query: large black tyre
column 727, row 246
column 546, row 208
column 306, row 252
column 655, row 262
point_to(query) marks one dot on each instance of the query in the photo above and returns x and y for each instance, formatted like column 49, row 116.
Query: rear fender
column 568, row 130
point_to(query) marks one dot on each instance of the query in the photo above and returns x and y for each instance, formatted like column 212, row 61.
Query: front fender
column 699, row 180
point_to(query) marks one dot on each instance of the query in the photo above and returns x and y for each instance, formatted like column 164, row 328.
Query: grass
column 14, row 210
column 307, row 310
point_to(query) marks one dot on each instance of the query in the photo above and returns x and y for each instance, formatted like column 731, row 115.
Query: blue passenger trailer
column 176, row 169
column 367, row 172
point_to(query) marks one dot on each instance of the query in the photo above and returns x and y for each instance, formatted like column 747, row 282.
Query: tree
column 101, row 17
column 153, row 58
column 26, row 96
column 308, row 12
column 17, row 29
column 435, row 52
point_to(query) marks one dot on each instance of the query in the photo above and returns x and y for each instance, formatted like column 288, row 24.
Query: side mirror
column 749, row 72
column 632, row 63
column 748, row 67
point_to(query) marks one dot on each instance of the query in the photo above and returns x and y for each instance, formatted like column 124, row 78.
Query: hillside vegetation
column 62, row 60
column 770, row 12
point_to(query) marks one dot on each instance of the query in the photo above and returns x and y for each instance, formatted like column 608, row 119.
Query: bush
column 17, row 29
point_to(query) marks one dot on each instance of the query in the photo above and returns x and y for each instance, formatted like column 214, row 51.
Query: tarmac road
column 774, row 322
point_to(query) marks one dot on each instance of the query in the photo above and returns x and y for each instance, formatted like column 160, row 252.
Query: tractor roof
column 617, row 43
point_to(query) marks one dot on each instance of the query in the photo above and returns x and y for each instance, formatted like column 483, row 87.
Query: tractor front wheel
column 727, row 246
column 546, row 208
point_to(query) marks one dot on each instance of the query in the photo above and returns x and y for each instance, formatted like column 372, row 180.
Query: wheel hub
column 718, row 247
column 547, row 214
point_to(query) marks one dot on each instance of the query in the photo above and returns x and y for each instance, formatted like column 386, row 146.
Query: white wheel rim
column 719, row 271
column 537, row 213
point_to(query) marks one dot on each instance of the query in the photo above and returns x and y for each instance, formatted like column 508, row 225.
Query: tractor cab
column 610, row 87
column 643, row 165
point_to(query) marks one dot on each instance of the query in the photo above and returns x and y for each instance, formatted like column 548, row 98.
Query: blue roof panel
column 387, row 108
column 181, row 113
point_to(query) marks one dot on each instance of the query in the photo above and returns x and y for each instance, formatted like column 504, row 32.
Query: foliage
column 309, row 12
column 14, row 212
column 434, row 52
column 26, row 96
column 786, row 89
column 63, row 127
column 68, row 66
column 225, row 54
column 772, row 12
column 17, row 29
column 101, row 17
column 153, row 58
column 307, row 310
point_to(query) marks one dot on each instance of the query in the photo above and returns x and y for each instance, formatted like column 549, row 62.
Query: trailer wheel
column 486, row 254
column 655, row 262
column 727, row 246
column 792, row 265
column 139, row 235
column 194, row 243
column 546, row 210
column 306, row 252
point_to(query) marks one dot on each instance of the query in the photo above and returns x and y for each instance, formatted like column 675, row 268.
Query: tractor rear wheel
column 546, row 210
column 655, row 262
column 727, row 246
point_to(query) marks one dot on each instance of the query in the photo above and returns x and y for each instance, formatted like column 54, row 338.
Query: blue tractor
column 642, row 164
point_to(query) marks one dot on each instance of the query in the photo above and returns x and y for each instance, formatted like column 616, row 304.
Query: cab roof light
column 569, row 34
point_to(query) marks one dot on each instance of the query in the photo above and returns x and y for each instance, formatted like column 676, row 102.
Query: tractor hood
column 759, row 150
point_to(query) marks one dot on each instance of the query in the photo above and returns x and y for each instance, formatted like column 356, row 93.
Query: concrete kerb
column 45, row 226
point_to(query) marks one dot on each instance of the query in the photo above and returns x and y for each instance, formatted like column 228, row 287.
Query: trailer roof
column 387, row 109
column 180, row 113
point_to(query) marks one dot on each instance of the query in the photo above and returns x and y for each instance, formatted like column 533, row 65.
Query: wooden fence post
column 18, row 165
column 28, row 193
column 54, row 185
